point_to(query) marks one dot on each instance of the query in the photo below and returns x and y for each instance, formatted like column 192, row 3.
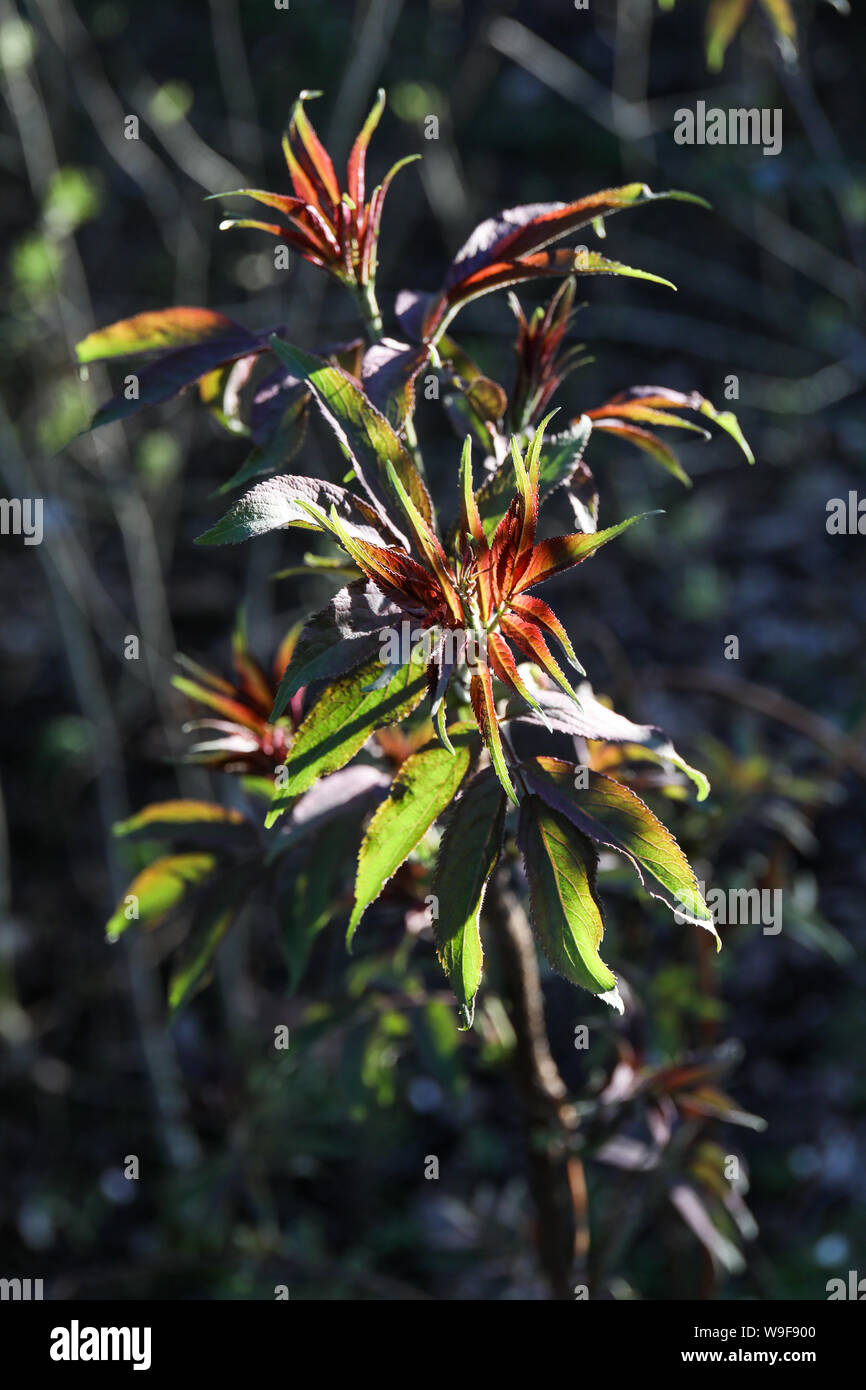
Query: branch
column 771, row 703
column 556, row 1178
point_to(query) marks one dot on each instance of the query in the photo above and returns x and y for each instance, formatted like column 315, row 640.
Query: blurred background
column 308, row 1170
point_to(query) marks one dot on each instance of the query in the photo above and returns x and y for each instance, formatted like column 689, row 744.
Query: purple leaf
column 388, row 375
column 168, row 375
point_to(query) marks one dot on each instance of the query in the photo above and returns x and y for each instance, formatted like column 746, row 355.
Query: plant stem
column 555, row 1174
column 370, row 311
column 372, row 316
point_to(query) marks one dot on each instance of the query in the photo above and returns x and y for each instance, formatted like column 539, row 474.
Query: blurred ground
column 307, row 1173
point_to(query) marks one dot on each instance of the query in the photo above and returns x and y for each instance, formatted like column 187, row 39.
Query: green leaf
column 662, row 750
column 155, row 331
column 727, row 420
column 561, row 866
column 341, row 721
column 364, row 435
column 593, row 263
column 426, row 784
column 612, row 815
column 173, row 817
column 724, row 18
column 189, row 974
column 220, row 390
column 157, row 889
column 467, row 857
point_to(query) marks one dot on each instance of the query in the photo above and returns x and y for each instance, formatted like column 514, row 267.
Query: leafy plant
column 420, row 716
column 451, row 620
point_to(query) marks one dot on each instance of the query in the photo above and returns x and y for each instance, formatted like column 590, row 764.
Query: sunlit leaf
column 484, row 709
column 612, row 815
column 426, row 784
column 388, row 375
column 561, row 867
column 649, row 443
column 654, row 405
column 157, row 889
column 155, row 331
column 560, row 457
column 590, row 719
column 174, row 817
column 363, row 433
column 341, row 721
column 159, row 380
column 221, row 391
column 562, row 552
column 520, row 231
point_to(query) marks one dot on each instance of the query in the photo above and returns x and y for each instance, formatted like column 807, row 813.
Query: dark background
column 308, row 1171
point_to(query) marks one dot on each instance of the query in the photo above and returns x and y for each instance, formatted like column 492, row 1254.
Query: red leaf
column 355, row 172
column 504, row 666
column 503, row 550
column 528, row 639
column 649, row 443
column 370, row 236
column 233, row 710
column 535, row 610
column 516, row 232
column 484, row 708
column 562, row 552
column 310, row 247
column 310, row 158
column 253, row 681
column 398, row 571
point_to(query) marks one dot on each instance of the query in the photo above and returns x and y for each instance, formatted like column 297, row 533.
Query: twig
column 556, row 1178
column 771, row 703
